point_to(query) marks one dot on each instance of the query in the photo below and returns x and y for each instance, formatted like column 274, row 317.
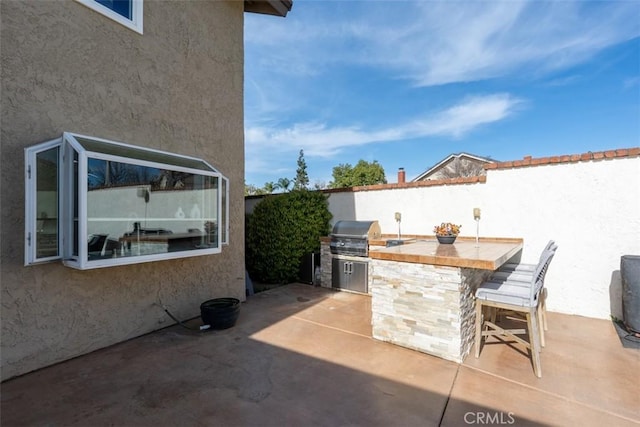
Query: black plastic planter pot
column 220, row 313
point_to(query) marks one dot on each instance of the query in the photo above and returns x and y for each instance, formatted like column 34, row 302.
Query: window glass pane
column 142, row 154
column 47, row 212
column 121, row 7
column 135, row 210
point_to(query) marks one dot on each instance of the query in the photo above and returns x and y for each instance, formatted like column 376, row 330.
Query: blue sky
column 408, row 83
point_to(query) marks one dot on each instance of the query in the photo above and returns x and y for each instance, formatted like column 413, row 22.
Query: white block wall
column 590, row 208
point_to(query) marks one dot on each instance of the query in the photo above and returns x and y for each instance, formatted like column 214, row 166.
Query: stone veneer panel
column 325, row 264
column 472, row 278
column 424, row 307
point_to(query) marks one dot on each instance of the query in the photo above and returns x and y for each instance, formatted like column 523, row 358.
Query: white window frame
column 70, row 240
column 31, row 214
column 224, row 214
column 135, row 23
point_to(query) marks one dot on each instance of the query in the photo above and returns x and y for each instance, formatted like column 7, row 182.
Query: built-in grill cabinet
column 350, row 239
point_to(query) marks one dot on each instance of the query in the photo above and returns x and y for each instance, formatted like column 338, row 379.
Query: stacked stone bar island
column 422, row 292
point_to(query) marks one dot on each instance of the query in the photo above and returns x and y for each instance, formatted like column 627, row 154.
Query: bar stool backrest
column 537, row 279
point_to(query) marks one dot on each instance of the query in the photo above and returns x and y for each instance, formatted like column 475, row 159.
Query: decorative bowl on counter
column 446, row 232
column 446, row 240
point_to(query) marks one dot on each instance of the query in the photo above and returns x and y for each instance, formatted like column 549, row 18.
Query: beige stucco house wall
column 178, row 87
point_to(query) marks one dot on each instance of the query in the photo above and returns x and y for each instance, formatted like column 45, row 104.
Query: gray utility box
column 349, row 275
column 630, row 271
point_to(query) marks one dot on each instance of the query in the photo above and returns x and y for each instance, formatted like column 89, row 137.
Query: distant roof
column 448, row 158
column 268, row 7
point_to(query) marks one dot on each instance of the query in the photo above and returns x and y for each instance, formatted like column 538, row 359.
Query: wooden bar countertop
column 489, row 254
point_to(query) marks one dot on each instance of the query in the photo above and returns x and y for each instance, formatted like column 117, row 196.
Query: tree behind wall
column 363, row 173
column 301, row 181
column 283, row 184
column 281, row 230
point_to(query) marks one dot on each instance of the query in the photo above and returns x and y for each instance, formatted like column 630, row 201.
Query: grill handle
column 349, row 236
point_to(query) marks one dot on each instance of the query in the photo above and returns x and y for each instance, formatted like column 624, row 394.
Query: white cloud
column 631, row 82
column 434, row 43
column 322, row 140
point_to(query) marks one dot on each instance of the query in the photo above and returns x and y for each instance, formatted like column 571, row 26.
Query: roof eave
column 269, row 7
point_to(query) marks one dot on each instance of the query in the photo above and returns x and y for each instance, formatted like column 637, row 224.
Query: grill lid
column 357, row 229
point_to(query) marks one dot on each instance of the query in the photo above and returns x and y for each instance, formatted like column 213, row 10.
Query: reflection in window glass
column 47, row 216
column 121, row 150
column 135, row 210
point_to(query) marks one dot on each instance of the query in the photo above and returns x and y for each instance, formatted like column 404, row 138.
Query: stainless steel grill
column 352, row 237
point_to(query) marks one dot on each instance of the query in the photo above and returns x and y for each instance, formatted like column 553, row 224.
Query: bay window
column 98, row 203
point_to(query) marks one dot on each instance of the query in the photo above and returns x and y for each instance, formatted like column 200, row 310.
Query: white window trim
column 224, row 222
column 135, row 23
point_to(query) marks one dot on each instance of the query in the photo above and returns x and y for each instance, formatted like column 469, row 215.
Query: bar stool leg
column 541, row 327
column 479, row 321
column 534, row 340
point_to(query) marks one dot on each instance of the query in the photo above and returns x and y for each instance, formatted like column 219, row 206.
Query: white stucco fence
column 590, row 208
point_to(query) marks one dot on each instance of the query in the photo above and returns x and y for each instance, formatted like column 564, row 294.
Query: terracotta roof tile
column 567, row 158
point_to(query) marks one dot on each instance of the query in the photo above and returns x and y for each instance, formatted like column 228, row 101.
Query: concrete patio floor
column 303, row 356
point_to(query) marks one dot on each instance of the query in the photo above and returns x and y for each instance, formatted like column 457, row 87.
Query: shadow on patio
column 301, row 355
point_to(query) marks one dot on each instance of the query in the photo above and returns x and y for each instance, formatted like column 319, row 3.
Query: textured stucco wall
column 178, row 88
column 590, row 208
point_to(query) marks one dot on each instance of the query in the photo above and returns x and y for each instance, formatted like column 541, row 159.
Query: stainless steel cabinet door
column 338, row 276
column 358, row 275
column 351, row 275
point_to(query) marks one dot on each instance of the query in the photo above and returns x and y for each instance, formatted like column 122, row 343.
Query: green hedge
column 281, row 229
